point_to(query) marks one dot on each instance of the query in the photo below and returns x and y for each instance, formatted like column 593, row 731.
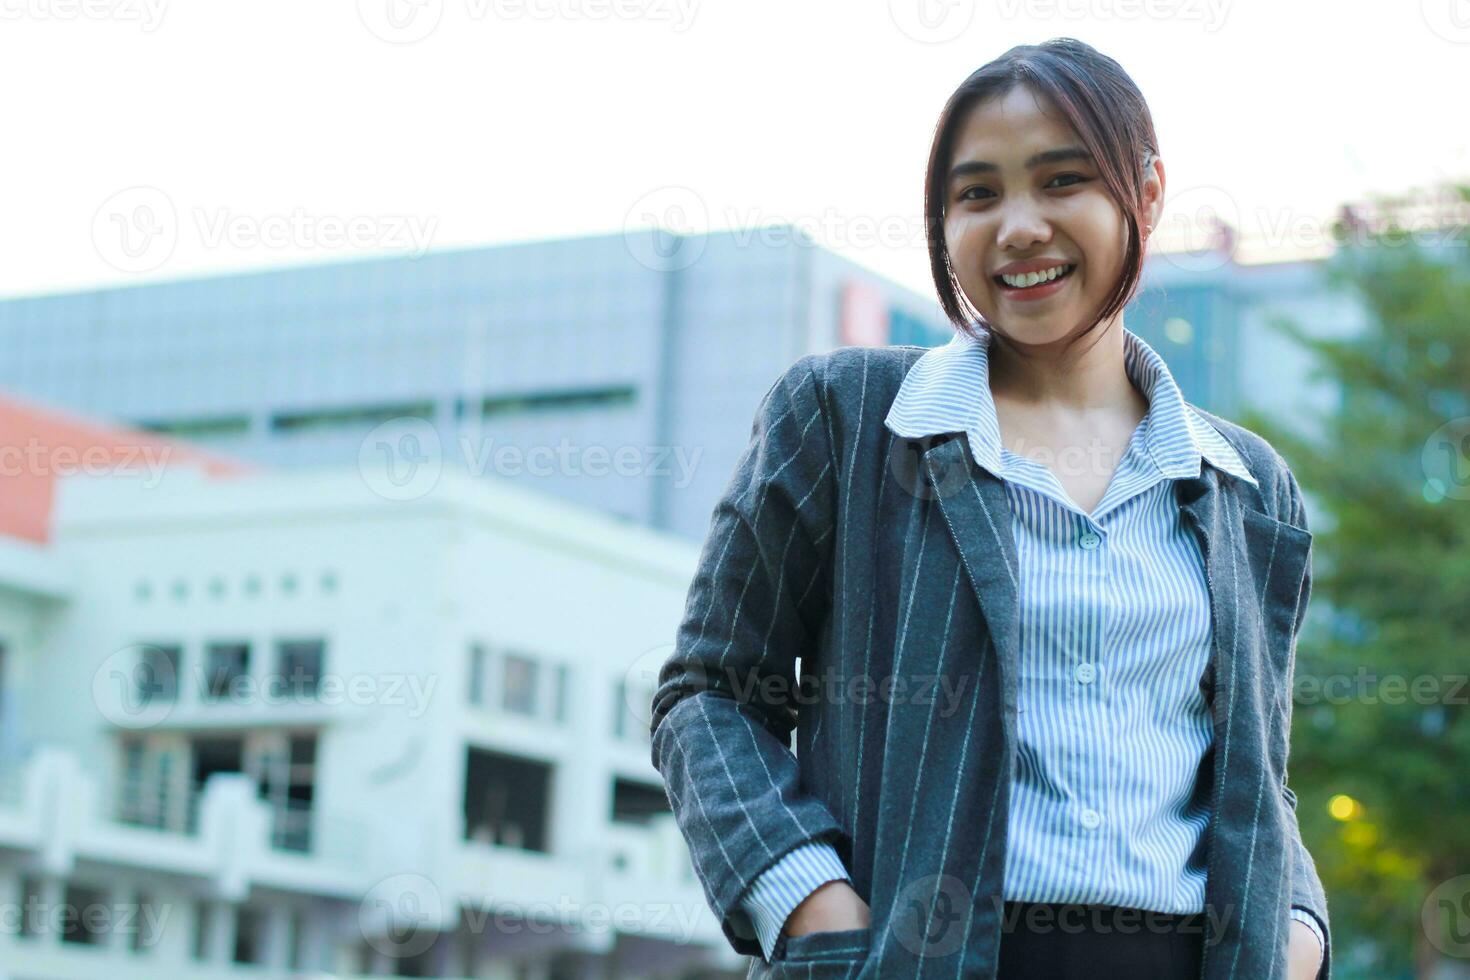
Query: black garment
column 1051, row 941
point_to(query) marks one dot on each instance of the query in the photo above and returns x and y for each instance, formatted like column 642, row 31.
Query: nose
column 1022, row 226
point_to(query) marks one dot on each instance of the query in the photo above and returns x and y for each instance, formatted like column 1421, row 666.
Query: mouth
column 1034, row 289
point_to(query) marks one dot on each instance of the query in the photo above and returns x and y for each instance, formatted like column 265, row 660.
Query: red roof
column 38, row 445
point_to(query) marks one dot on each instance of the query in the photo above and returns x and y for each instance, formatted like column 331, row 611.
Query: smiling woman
column 1107, row 796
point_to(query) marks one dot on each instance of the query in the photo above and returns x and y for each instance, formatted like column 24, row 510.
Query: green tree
column 1381, row 728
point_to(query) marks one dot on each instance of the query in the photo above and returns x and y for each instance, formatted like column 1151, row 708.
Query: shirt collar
column 948, row 390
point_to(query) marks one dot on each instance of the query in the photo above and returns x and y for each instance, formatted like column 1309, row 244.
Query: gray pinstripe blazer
column 888, row 567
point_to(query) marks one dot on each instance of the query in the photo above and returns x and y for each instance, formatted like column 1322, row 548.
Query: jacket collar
column 948, row 390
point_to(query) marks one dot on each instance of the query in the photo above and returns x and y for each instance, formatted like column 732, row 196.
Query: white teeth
column 1032, row 278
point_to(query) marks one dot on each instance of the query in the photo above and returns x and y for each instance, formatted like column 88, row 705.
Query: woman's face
column 1022, row 209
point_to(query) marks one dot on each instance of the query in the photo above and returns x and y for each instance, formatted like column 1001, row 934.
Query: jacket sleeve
column 722, row 712
column 785, row 885
column 1306, row 886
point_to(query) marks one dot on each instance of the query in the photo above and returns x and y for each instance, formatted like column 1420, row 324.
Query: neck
column 1087, row 376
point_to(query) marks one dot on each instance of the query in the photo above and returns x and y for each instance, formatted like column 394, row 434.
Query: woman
column 1045, row 610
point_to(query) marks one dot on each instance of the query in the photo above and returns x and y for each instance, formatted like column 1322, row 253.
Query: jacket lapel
column 978, row 518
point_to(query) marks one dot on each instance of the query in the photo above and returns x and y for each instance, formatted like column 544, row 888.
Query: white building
column 319, row 723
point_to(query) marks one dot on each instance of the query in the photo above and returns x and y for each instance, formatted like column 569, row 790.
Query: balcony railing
column 296, row 827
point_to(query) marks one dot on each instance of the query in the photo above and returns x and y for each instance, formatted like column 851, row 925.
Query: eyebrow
column 1059, row 155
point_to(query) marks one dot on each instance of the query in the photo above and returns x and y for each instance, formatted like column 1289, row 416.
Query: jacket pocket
column 829, row 952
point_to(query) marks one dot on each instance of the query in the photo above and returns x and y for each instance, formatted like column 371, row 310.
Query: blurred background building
column 317, row 678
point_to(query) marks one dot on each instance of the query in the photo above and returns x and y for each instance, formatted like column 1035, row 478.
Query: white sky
column 525, row 119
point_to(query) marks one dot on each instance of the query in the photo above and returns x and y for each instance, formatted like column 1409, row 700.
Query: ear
column 1153, row 194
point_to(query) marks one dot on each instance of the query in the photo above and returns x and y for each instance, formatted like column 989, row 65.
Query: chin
column 1034, row 331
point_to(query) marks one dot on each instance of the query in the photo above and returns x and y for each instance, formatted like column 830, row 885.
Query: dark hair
column 1106, row 109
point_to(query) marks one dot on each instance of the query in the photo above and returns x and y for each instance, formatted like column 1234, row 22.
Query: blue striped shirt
column 1113, row 717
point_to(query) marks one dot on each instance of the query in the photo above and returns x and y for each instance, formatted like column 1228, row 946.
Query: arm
column 721, row 716
column 786, row 885
column 1308, row 901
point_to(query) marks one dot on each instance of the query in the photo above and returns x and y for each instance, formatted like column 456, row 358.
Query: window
column 145, row 795
column 146, row 930
column 285, row 771
column 628, row 723
column 355, row 416
column 227, row 668
column 506, row 800
column 637, row 802
column 32, row 911
column 157, row 673
column 201, row 928
column 249, row 934
column 300, row 665
column 477, row 674
column 199, row 428
column 90, row 918
column 546, row 401
column 519, row 692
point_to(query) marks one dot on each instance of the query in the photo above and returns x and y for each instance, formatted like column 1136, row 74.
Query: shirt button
column 1089, row 540
column 1091, row 818
column 1085, row 673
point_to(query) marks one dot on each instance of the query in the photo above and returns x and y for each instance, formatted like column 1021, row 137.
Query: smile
column 1033, row 280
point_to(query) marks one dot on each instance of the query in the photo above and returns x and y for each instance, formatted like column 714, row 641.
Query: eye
column 965, row 195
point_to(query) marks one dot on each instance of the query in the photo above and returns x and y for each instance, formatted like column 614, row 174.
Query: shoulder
column 1279, row 491
column 847, row 377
